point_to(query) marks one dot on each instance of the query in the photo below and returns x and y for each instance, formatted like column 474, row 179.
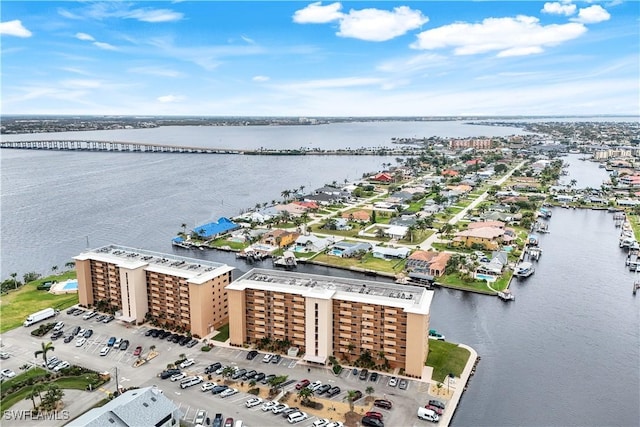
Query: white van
column 427, row 415
column 191, row 381
column 238, row 423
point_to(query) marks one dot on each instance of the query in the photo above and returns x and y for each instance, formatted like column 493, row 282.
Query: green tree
column 305, row 394
column 70, row 265
column 350, row 397
column 30, row 276
column 51, row 398
column 46, row 347
column 369, row 390
column 54, row 268
column 15, row 282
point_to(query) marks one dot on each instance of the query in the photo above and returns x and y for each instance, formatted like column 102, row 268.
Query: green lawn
column 445, row 357
column 453, row 281
column 368, row 262
column 237, row 246
column 17, row 305
column 223, row 333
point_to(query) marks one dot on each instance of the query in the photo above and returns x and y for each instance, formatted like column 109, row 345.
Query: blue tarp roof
column 178, row 239
column 217, row 227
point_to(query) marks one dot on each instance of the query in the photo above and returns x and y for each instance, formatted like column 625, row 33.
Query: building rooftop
column 195, row 270
column 414, row 299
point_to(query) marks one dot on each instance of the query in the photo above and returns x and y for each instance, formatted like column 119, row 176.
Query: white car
column 279, row 408
column 187, row 363
column 266, row 406
column 105, row 350
column 296, row 417
column 254, row 401
column 50, row 361
column 229, row 392
column 61, row 366
column 320, row 422
column 8, row 373
column 178, row 377
column 314, row 385
column 58, row 326
column 81, row 332
column 208, row 386
column 393, row 381
column 80, row 341
column 4, row 355
column 335, row 424
column 201, row 415
column 220, row 370
column 267, row 358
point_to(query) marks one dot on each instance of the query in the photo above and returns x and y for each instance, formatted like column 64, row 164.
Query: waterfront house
column 311, row 243
column 383, row 177
column 293, row 209
column 494, row 267
column 387, row 253
column 346, row 249
column 215, row 229
column 495, row 224
column 280, row 238
column 427, row 262
column 488, row 238
column 322, row 199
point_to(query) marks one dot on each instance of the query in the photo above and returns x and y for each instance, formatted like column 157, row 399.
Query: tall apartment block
column 327, row 316
column 176, row 291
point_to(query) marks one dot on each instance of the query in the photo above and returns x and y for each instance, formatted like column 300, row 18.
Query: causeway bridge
column 140, row 147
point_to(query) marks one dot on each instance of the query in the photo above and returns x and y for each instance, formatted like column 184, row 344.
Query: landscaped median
column 23, row 385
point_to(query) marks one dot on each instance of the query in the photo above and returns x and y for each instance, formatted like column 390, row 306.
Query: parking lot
column 21, row 346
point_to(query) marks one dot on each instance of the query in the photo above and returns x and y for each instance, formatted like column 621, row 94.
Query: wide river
column 565, row 353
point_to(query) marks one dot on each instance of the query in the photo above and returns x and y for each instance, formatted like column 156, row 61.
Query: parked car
column 187, row 363
column 276, row 358
column 279, row 408
column 72, row 310
column 168, row 373
column 428, row 415
column 228, row 422
column 286, row 412
column 150, row 332
column 393, row 381
column 267, row 405
column 321, row 422
column 201, row 416
column 81, row 332
column 190, row 382
column 259, row 377
column 89, row 315
column 101, row 318
column 229, row 392
column 249, row 375
column 88, row 333
column 50, row 361
column 124, row 345
column 58, row 326
column 4, row 355
column 192, row 343
column 8, row 373
column 208, row 386
column 68, row 339
column 436, row 403
column 184, row 340
column 78, row 312
column 254, row 401
column 179, row 376
column 108, row 319
column 212, row 368
column 105, row 350
column 403, row 385
column 268, row 378
column 357, row 395
column 374, row 414
column 111, row 341
column 314, row 385
column 335, row 424
column 333, row 391
column 435, row 409
column 62, row 365
column 118, row 342
column 238, row 374
column 217, row 421
column 373, row 377
column 220, row 370
column 383, row 403
column 80, row 341
column 75, row 330
column 56, row 335
column 137, row 351
column 302, row 384
column 323, row 389
column 219, row 389
column 364, row 374
column 252, row 354
column 267, row 358
column 354, row 371
column 296, row 417
column 371, row 422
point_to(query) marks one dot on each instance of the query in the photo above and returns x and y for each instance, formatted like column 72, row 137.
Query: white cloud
column 557, row 8
column 84, row 36
column 260, row 79
column 14, row 28
column 315, row 13
column 341, row 82
column 169, row 98
column 156, row 71
column 247, row 39
column 380, row 25
column 81, row 84
column 154, row 15
column 105, row 46
column 592, row 15
column 365, row 24
column 522, row 35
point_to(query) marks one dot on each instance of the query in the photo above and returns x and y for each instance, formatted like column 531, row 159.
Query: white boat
column 287, row 260
column 524, row 269
column 506, row 295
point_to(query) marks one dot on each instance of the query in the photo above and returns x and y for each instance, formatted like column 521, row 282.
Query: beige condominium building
column 327, row 316
column 177, row 292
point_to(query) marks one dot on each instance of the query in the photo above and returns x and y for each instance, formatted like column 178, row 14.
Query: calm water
column 585, row 172
column 565, row 353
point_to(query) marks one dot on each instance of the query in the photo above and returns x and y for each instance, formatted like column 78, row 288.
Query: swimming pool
column 486, row 277
column 71, row 285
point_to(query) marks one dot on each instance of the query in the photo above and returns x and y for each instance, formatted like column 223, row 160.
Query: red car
column 302, row 384
column 374, row 414
column 434, row 408
column 228, row 422
column 137, row 351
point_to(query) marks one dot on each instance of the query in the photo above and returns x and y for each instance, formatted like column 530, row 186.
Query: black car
column 373, row 377
column 259, row 376
column 184, row 341
column 219, row 389
column 371, row 422
column 249, row 375
column 124, row 345
column 436, row 403
column 212, row 368
column 323, row 389
column 164, row 334
column 71, row 310
column 268, row 378
column 364, row 374
column 88, row 333
column 156, row 333
column 217, row 421
column 168, row 373
column 238, row 374
column 69, row 338
column 382, row 403
column 333, row 391
column 149, row 332
column 78, row 312
column 56, row 335
column 276, row 358
column 75, row 331
column 252, row 355
column 357, row 395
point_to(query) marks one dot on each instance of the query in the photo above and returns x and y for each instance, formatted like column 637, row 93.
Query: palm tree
column 305, row 394
column 302, row 189
column 70, row 265
column 184, row 227
column 350, row 397
column 227, row 371
column 15, row 282
column 45, row 349
column 54, row 268
column 369, row 390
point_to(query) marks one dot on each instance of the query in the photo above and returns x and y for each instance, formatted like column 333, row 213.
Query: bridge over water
column 140, row 147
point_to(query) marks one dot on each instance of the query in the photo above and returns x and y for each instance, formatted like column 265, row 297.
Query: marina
column 524, row 270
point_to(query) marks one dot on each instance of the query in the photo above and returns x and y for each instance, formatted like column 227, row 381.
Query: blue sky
column 364, row 58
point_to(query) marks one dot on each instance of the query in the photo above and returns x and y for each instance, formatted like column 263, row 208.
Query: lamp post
column 449, row 376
